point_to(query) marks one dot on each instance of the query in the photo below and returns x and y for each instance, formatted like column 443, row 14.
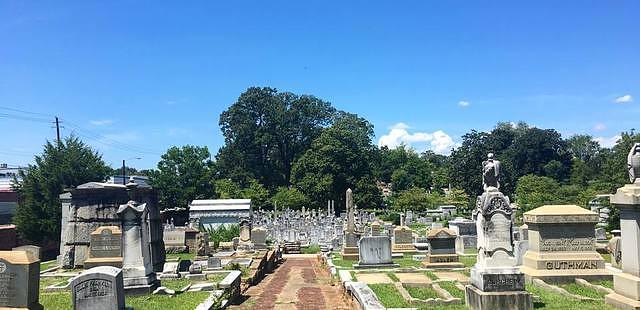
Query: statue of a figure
column 490, row 172
column 633, row 162
column 202, row 247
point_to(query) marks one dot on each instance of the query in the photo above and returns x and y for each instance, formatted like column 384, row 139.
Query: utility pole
column 123, row 172
column 58, row 129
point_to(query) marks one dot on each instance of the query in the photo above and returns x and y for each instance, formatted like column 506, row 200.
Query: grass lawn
column 353, row 276
column 407, row 261
column 182, row 256
column 46, row 281
column 553, row 301
column 577, row 289
column 389, row 296
column 605, row 283
column 607, row 257
column 431, row 275
column 451, row 287
column 471, row 251
column 468, row 261
column 48, row 264
column 314, row 249
column 423, row 293
column 393, row 277
column 339, row 262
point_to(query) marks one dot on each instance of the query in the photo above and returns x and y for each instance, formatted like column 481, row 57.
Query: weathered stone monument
column 245, row 244
column 95, row 204
column 375, row 252
column 442, row 249
column 562, row 245
column 467, row 233
column 350, row 246
column 496, row 282
column 99, row 288
column 627, row 283
column 403, row 240
column 175, row 241
column 34, row 250
column 19, row 280
column 139, row 276
column 105, row 247
column 259, row 238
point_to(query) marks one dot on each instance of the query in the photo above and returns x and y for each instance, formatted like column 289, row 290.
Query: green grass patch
column 182, row 256
column 431, row 275
column 393, row 276
column 339, row 262
column 577, row 289
column 216, row 277
column 423, row 293
column 607, row 257
column 553, row 301
column 605, row 283
column 46, row 281
column 389, row 296
column 471, row 251
column 62, row 300
column 46, row 265
column 353, row 275
column 468, row 261
column 314, row 249
column 448, row 307
column 407, row 261
column 451, row 287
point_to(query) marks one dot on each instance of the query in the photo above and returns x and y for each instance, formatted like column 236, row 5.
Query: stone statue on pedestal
column 490, row 172
column 633, row 163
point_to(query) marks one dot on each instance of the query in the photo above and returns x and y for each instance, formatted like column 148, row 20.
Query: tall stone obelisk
column 350, row 248
column 496, row 281
column 627, row 283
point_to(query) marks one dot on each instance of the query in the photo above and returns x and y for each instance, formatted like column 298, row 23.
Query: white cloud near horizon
column 463, row 103
column 624, row 99
column 102, row 122
column 438, row 141
column 607, row 141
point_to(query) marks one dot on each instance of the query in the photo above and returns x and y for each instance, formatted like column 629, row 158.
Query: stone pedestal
column 496, row 282
column 19, row 280
column 627, row 283
column 562, row 245
column 403, row 240
column 350, row 249
column 139, row 277
column 442, row 249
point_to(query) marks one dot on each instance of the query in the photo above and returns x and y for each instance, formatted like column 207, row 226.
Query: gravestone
column 615, row 249
column 19, row 280
column 139, row 277
column 259, row 238
column 374, row 252
column 32, row 249
column 170, row 271
column 375, row 229
column 99, row 288
column 467, row 233
column 350, row 245
column 601, row 235
column 175, row 241
column 496, row 281
column 442, row 249
column 521, row 246
column 403, row 240
column 562, row 245
column 626, row 284
column 214, row 263
column 105, row 247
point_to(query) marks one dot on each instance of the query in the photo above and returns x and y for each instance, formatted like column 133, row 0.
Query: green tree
column 266, row 131
column 290, row 198
column 417, row 199
column 61, row 166
column 337, row 160
column 458, row 198
column 227, row 189
column 535, row 191
column 257, row 193
column 183, row 174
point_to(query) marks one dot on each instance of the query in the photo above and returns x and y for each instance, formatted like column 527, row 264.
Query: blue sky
column 137, row 77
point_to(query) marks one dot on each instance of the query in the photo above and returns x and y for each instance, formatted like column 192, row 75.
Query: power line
column 26, row 112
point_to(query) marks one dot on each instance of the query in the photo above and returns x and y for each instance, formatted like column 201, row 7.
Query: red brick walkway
column 298, row 284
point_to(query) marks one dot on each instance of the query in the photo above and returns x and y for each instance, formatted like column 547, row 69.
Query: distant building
column 8, row 197
column 212, row 213
column 138, row 179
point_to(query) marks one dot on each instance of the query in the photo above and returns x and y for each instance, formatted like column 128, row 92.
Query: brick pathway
column 298, row 284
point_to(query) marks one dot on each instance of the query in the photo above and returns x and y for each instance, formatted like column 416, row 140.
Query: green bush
column 314, row 249
column 223, row 233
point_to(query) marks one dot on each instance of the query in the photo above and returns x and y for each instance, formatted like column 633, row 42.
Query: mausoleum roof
column 220, row 204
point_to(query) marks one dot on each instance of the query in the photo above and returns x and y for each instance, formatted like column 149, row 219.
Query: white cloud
column 599, row 127
column 607, row 141
column 438, row 141
column 103, row 122
column 624, row 99
column 463, row 103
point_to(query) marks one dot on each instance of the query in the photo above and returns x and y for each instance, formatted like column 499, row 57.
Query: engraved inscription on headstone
column 19, row 280
column 99, row 288
column 106, row 242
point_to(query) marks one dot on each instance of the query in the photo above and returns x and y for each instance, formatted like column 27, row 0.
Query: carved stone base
column 404, row 248
column 103, row 261
column 622, row 302
column 442, row 261
column 498, row 279
column 350, row 253
column 514, row 300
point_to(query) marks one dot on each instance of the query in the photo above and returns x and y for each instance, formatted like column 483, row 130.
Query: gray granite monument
column 19, row 280
column 375, row 252
column 99, row 288
column 350, row 246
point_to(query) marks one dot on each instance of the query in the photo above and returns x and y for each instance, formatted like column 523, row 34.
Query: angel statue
column 633, row 163
column 490, row 172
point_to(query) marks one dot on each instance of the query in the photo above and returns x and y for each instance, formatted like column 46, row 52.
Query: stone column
column 627, row 284
column 137, row 268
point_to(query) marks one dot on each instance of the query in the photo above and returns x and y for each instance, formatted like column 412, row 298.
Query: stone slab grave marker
column 19, row 280
column 467, row 233
column 627, row 199
column 562, row 245
column 496, row 281
column 403, row 240
column 32, row 249
column 442, row 249
column 375, row 252
column 175, row 241
column 99, row 288
column 259, row 238
column 105, row 247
